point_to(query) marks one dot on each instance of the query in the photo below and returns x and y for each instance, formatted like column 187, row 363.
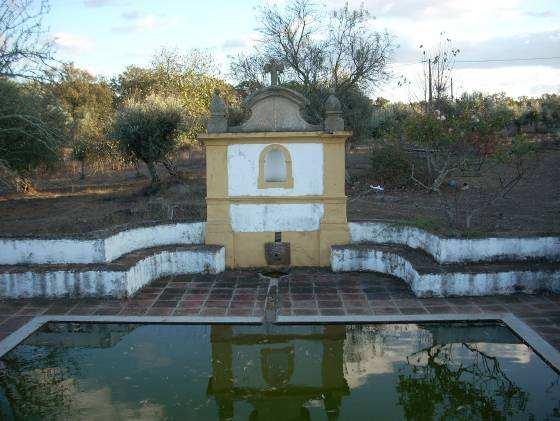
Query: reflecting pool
column 105, row 371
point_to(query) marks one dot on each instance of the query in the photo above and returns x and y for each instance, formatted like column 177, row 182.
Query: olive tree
column 148, row 130
column 188, row 77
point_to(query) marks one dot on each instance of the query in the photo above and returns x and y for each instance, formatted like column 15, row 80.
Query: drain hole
column 274, row 273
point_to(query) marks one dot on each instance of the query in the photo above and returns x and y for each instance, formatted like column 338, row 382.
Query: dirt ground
column 66, row 205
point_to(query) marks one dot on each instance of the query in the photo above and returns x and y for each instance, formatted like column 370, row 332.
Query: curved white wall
column 110, row 283
column 160, row 235
column 445, row 283
column 457, row 250
column 102, row 250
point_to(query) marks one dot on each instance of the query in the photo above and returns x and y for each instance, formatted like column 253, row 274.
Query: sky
column 509, row 46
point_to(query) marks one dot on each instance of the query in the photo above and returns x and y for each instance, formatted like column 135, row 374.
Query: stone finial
column 218, row 114
column 333, row 111
column 332, row 104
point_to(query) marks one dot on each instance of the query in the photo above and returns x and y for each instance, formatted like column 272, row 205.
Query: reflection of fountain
column 284, row 381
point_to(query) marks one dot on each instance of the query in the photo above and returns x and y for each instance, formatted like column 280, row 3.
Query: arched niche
column 275, row 168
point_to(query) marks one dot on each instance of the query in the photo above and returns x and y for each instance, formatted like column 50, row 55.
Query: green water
column 316, row 372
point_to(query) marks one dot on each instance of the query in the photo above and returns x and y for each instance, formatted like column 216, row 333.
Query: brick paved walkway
column 304, row 292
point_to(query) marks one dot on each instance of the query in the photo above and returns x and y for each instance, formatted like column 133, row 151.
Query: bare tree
column 337, row 49
column 439, row 64
column 356, row 56
column 288, row 36
column 25, row 51
column 249, row 69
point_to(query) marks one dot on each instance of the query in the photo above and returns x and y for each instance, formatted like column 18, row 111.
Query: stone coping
column 542, row 348
column 397, row 223
column 424, row 263
column 101, row 233
column 100, row 249
column 122, row 264
column 282, row 137
column 457, row 250
column 106, row 245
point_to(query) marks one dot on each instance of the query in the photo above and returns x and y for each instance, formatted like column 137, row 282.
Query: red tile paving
column 302, row 293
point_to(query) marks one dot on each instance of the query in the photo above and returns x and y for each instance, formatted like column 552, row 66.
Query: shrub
column 149, row 130
column 550, row 111
column 389, row 165
column 31, row 133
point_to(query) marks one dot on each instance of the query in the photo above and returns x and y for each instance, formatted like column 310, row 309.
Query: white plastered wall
column 276, row 217
column 445, row 283
column 101, row 250
column 307, row 170
column 110, row 283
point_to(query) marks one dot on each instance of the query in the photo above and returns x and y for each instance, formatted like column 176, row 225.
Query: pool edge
column 531, row 338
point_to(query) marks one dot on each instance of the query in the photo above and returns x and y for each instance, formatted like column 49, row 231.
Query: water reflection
column 411, row 371
column 273, row 374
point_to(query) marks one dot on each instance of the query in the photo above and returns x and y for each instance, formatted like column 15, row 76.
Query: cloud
column 100, row 3
column 138, row 22
column 422, row 9
column 73, row 43
column 508, row 49
column 131, row 15
column 496, row 52
column 235, row 43
column 543, row 14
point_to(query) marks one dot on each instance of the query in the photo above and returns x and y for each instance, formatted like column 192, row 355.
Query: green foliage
column 387, row 120
column 88, row 104
column 550, row 111
column 356, row 107
column 149, row 130
column 390, row 165
column 181, row 77
column 470, row 127
column 31, row 130
column 81, row 95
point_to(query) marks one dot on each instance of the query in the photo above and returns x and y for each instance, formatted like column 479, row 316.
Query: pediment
column 275, row 109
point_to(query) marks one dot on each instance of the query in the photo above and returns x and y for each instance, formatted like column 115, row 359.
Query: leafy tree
column 89, row 106
column 550, row 111
column 149, row 129
column 82, row 96
column 31, row 133
column 186, row 77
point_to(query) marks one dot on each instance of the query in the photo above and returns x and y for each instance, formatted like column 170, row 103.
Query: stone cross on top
column 273, row 67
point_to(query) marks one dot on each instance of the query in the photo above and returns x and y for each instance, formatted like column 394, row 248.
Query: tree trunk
column 170, row 167
column 83, row 171
column 153, row 172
